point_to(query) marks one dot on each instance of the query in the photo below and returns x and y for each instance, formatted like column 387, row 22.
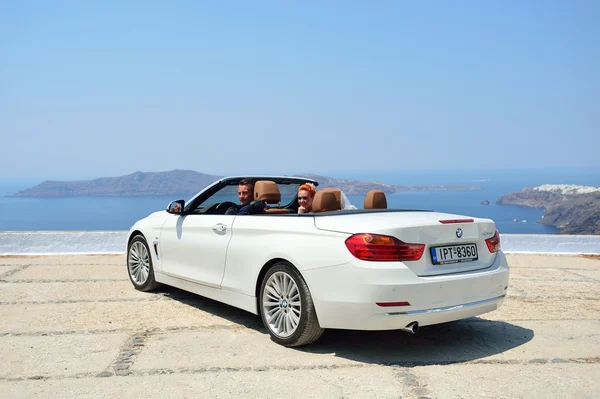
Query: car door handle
column 219, row 227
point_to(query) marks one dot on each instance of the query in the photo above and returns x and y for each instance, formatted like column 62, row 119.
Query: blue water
column 119, row 213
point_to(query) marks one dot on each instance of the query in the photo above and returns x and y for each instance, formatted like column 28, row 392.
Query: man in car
column 245, row 195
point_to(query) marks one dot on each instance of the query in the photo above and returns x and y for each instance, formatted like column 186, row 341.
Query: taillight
column 380, row 248
column 493, row 243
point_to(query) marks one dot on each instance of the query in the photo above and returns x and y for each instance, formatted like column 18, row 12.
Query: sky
column 91, row 89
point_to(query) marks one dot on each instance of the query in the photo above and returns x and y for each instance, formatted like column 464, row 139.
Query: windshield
column 229, row 194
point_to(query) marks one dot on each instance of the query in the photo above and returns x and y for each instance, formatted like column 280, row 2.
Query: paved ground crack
column 44, row 281
column 121, row 367
column 581, row 279
column 149, row 299
column 411, row 382
column 127, row 355
column 587, row 277
column 13, row 271
column 64, row 264
column 551, row 268
column 209, row 327
column 337, row 386
column 557, row 297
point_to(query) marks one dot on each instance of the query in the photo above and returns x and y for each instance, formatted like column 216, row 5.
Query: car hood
column 155, row 219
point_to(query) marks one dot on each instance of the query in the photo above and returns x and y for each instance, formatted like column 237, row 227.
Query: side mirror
column 176, row 207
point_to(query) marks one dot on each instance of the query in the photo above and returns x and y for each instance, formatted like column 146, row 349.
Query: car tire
column 139, row 265
column 289, row 313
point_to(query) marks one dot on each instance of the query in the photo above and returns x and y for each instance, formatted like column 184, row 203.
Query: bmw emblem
column 459, row 233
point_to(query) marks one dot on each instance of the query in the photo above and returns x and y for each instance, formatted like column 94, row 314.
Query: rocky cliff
column 135, row 184
column 188, row 182
column 572, row 209
column 360, row 187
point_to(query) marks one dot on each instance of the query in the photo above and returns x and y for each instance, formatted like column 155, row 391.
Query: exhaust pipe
column 412, row 328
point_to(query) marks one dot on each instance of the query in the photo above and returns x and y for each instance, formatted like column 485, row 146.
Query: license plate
column 454, row 254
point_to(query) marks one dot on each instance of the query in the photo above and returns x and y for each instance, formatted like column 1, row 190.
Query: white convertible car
column 360, row 269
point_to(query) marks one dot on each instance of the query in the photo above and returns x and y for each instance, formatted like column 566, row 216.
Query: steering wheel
column 223, row 207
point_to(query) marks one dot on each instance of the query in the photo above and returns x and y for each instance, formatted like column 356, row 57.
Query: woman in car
column 306, row 194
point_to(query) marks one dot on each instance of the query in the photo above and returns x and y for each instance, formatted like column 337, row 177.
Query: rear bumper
column 346, row 296
column 425, row 317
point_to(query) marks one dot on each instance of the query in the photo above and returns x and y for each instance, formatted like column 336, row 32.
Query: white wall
column 54, row 242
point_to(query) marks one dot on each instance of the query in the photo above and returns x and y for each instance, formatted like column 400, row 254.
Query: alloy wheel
column 282, row 304
column 138, row 263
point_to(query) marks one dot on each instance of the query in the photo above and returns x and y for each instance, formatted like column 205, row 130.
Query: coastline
column 72, row 242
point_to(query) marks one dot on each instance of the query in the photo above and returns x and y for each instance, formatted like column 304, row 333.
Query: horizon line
column 322, row 173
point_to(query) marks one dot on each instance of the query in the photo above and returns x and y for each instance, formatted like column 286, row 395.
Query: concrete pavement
column 73, row 326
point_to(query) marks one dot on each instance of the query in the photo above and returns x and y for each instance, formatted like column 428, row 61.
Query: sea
column 120, row 213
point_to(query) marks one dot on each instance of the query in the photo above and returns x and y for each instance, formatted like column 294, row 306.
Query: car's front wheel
column 139, row 265
column 287, row 308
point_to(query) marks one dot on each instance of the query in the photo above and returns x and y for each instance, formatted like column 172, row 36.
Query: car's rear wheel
column 287, row 308
column 139, row 265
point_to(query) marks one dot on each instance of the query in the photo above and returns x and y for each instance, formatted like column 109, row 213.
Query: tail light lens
column 381, row 248
column 493, row 243
column 450, row 221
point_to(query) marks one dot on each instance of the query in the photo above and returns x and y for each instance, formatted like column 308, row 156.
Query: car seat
column 375, row 199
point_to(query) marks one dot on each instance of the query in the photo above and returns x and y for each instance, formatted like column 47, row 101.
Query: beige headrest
column 325, row 201
column 375, row 199
column 266, row 190
column 338, row 195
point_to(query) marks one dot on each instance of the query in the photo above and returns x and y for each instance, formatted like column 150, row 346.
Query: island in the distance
column 189, row 182
column 570, row 208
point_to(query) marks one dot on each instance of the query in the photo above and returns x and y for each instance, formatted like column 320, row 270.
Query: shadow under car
column 455, row 342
